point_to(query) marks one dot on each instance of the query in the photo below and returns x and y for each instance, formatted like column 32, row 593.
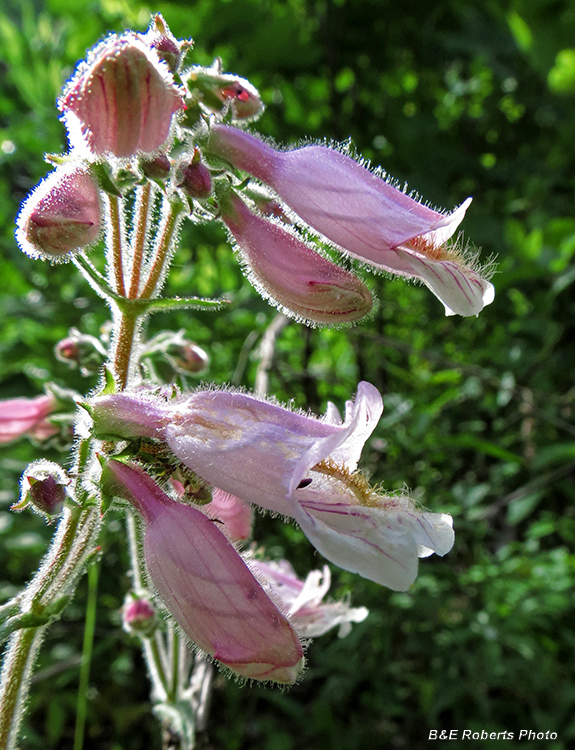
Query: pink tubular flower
column 363, row 214
column 205, row 584
column 286, row 271
column 26, row 416
column 121, row 101
column 61, row 216
column 292, row 464
column 303, row 600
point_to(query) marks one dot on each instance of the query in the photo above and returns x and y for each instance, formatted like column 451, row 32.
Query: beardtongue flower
column 292, row 464
column 284, row 270
column 121, row 101
column 26, row 416
column 205, row 585
column 363, row 214
column 303, row 600
column 61, row 216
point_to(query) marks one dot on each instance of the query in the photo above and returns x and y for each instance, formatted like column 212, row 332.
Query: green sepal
column 103, row 174
column 110, row 385
column 110, row 489
column 125, row 179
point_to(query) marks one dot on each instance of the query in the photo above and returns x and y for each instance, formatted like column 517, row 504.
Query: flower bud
column 139, row 616
column 121, row 101
column 188, row 358
column 195, row 178
column 26, row 416
column 81, row 350
column 61, row 216
column 44, row 488
column 205, row 585
column 286, row 271
column 216, row 90
column 364, row 215
column 168, row 48
column 157, row 169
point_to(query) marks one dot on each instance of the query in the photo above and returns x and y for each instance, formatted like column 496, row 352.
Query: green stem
column 90, row 626
column 94, row 277
column 175, row 666
column 163, row 249
column 18, row 664
column 156, row 664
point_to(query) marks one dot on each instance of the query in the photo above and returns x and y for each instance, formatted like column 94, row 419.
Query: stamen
column 426, row 247
column 355, row 481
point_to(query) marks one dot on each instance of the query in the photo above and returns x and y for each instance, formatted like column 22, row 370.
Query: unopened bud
column 139, row 616
column 160, row 38
column 44, row 488
column 121, row 101
column 61, row 216
column 291, row 274
column 195, row 178
column 217, row 90
column 157, row 169
column 188, row 357
column 81, row 350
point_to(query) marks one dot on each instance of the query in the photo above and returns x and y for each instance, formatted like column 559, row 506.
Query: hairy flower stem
column 125, row 344
column 57, row 576
column 15, row 682
column 115, row 244
column 143, row 209
column 89, row 627
column 163, row 248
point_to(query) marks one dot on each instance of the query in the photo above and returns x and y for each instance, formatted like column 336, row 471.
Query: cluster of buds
column 134, row 109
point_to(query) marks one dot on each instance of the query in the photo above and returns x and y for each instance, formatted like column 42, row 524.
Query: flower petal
column 263, row 450
column 379, row 544
column 205, row 584
column 462, row 290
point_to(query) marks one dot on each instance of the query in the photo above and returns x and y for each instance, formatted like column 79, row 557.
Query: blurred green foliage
column 456, row 98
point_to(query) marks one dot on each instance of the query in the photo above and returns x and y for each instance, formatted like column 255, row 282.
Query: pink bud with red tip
column 122, row 100
column 194, row 178
column 61, row 216
column 205, row 585
column 216, row 90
